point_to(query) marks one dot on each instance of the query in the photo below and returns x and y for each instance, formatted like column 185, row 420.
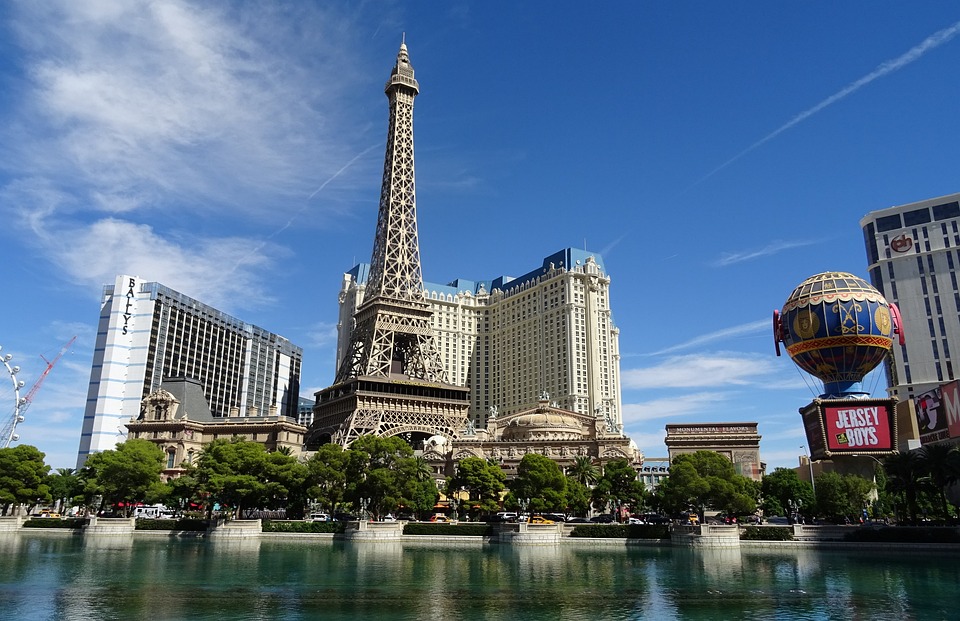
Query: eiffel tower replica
column 391, row 381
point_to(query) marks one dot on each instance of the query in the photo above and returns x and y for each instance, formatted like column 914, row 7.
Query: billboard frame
column 814, row 416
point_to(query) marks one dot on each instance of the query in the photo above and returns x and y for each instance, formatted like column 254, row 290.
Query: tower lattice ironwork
column 392, row 332
column 391, row 380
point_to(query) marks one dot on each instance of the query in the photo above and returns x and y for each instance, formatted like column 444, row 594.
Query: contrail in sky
column 305, row 206
column 935, row 40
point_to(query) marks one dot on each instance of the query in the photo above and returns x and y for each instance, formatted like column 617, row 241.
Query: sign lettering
column 127, row 310
column 854, row 427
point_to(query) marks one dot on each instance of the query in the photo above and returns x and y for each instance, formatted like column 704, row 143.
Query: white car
column 319, row 517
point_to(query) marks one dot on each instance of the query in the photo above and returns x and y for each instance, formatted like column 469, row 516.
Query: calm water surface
column 44, row 577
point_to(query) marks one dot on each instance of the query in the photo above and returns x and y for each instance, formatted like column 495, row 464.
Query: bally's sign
column 130, row 306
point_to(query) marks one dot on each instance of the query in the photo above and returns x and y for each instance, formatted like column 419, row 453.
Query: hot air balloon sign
column 837, row 327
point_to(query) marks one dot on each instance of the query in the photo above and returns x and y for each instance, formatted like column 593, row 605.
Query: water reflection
column 77, row 578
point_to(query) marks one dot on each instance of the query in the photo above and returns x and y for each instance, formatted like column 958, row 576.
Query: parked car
column 320, row 517
column 603, row 518
column 507, row 516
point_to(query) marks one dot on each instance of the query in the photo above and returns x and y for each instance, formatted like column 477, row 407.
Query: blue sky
column 715, row 154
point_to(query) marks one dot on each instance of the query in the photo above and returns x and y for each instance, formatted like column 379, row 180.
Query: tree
column 540, row 480
column 905, row 477
column 327, row 476
column 233, row 473
column 378, row 469
column 782, row 488
column 185, row 489
column 707, row 479
column 842, row 496
column 287, row 484
column 23, row 477
column 619, row 486
column 124, row 474
column 583, row 470
column 941, row 465
column 578, row 497
column 64, row 486
column 482, row 480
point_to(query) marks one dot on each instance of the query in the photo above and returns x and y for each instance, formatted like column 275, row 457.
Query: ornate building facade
column 738, row 442
column 177, row 418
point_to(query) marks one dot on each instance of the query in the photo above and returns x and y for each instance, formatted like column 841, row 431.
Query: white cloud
column 701, row 370
column 217, row 271
column 323, row 334
column 672, row 407
column 142, row 125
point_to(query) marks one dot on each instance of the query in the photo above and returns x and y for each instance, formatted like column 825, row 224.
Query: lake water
column 45, row 577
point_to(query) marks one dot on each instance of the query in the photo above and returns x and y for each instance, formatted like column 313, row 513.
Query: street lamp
column 524, row 505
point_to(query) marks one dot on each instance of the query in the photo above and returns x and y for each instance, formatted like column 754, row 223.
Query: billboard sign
column 850, row 427
column 931, row 416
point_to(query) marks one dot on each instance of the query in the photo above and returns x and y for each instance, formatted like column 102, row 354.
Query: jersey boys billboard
column 850, row 427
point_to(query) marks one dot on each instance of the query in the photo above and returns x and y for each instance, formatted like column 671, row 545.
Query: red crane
column 29, row 398
column 8, row 434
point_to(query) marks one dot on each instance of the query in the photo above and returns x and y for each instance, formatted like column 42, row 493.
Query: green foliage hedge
column 904, row 534
column 168, row 524
column 303, row 527
column 472, row 529
column 622, row 531
column 767, row 533
column 55, row 523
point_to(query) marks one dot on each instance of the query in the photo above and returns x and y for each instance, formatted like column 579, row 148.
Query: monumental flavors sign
column 850, row 427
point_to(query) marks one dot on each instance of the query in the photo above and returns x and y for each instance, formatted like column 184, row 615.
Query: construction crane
column 9, row 432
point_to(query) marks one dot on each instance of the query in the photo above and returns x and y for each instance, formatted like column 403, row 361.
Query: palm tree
column 421, row 469
column 905, row 475
column 583, row 470
column 939, row 464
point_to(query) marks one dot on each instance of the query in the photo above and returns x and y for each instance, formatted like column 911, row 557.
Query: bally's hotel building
column 513, row 340
column 913, row 253
column 148, row 333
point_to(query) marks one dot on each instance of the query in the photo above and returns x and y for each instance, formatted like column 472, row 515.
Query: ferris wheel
column 9, row 432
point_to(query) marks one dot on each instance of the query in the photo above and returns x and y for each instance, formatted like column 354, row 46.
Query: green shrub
column 270, row 526
column 767, row 533
column 622, row 531
column 472, row 529
column 904, row 534
column 55, row 523
column 189, row 524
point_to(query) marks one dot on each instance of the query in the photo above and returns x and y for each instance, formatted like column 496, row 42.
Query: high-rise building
column 149, row 333
column 429, row 359
column 510, row 340
column 913, row 252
